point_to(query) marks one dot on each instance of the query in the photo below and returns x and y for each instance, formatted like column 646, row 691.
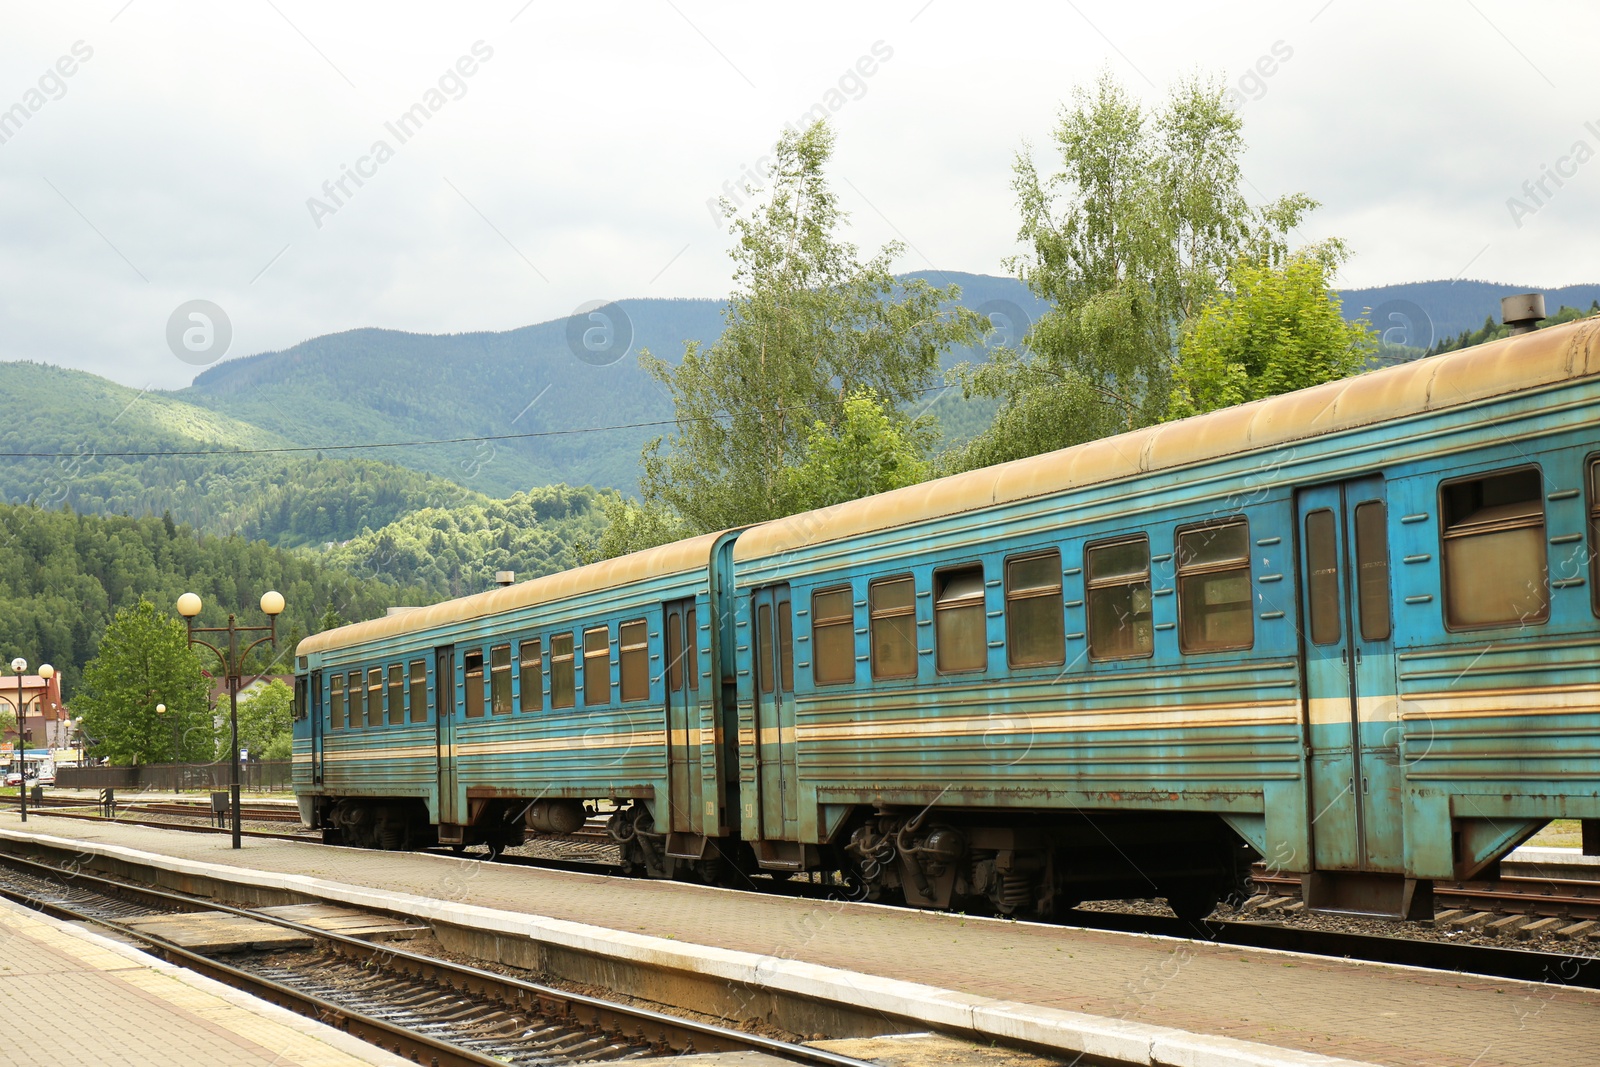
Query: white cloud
column 590, row 142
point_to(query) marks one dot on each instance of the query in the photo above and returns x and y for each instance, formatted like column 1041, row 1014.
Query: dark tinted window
column 1322, row 577
column 1372, row 569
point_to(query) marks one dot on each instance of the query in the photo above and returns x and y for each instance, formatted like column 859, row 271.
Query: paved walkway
column 1370, row 1012
column 72, row 999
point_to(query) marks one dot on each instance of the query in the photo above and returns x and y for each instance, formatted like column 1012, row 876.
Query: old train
column 1352, row 632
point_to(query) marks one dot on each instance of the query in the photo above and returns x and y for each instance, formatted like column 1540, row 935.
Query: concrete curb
column 1134, row 1043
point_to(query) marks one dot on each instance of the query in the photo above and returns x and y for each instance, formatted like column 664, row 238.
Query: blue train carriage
column 1350, row 631
column 521, row 708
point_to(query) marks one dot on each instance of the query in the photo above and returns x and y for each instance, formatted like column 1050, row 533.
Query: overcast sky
column 577, row 159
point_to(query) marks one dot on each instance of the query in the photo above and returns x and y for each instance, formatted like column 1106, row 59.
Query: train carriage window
column 1594, row 535
column 300, row 701
column 531, row 697
column 1215, row 610
column 960, row 633
column 472, row 673
column 356, row 693
column 1117, row 588
column 596, row 666
column 397, row 695
column 500, row 680
column 674, row 637
column 892, row 604
column 336, row 701
column 1322, row 577
column 633, row 654
column 563, row 689
column 691, row 653
column 1372, row 569
column 375, row 696
column 764, row 647
column 1035, row 630
column 419, row 690
column 785, row 648
column 1494, row 550
column 833, row 639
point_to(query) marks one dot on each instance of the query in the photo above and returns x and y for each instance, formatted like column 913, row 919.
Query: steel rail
column 660, row 1028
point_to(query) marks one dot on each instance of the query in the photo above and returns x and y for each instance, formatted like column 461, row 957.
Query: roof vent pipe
column 505, row 577
column 1522, row 312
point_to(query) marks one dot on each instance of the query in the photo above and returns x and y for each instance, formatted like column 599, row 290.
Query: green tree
column 874, row 448
column 808, row 324
column 1128, row 240
column 266, row 722
column 145, row 660
column 1275, row 330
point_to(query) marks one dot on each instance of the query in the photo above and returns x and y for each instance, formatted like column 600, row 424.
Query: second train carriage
column 1351, row 630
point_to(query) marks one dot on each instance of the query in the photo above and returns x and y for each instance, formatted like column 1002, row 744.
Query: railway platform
column 1118, row 997
column 72, row 997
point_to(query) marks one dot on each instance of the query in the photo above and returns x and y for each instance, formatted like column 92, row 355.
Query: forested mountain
column 383, row 385
column 63, row 576
column 293, row 498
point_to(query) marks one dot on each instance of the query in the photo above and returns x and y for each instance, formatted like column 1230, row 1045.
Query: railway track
column 421, row 1007
column 1572, row 899
column 197, row 808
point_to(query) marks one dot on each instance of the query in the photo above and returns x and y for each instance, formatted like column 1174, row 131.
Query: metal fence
column 257, row 776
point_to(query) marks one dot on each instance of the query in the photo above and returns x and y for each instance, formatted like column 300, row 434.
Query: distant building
column 219, row 688
column 45, row 721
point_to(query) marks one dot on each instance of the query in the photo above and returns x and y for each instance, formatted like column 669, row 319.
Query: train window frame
column 500, row 679
column 472, row 696
column 1366, row 585
column 1451, row 533
column 1097, row 587
column 302, row 691
column 597, row 681
column 877, row 617
column 530, row 700
column 563, row 671
column 1591, row 472
column 336, row 702
column 1187, row 571
column 633, row 658
column 396, row 694
column 841, row 666
column 417, row 684
column 375, row 696
column 1022, row 594
column 1325, row 584
column 355, row 697
column 971, row 601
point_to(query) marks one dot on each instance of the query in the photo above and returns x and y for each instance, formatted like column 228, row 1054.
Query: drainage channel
column 423, row 1008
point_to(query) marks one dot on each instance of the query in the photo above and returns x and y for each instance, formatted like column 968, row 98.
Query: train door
column 774, row 706
column 444, row 714
column 315, row 709
column 681, row 639
column 1350, row 685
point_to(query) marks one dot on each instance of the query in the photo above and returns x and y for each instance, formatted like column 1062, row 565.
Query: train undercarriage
column 1026, row 865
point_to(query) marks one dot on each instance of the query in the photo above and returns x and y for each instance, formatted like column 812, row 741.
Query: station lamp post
column 233, row 666
column 46, row 672
column 161, row 710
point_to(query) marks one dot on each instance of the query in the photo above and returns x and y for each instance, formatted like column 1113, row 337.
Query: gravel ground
column 1349, row 924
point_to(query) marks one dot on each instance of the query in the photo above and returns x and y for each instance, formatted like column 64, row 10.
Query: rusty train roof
column 676, row 558
column 1529, row 361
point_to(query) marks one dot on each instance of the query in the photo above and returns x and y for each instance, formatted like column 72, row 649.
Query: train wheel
column 1193, row 904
